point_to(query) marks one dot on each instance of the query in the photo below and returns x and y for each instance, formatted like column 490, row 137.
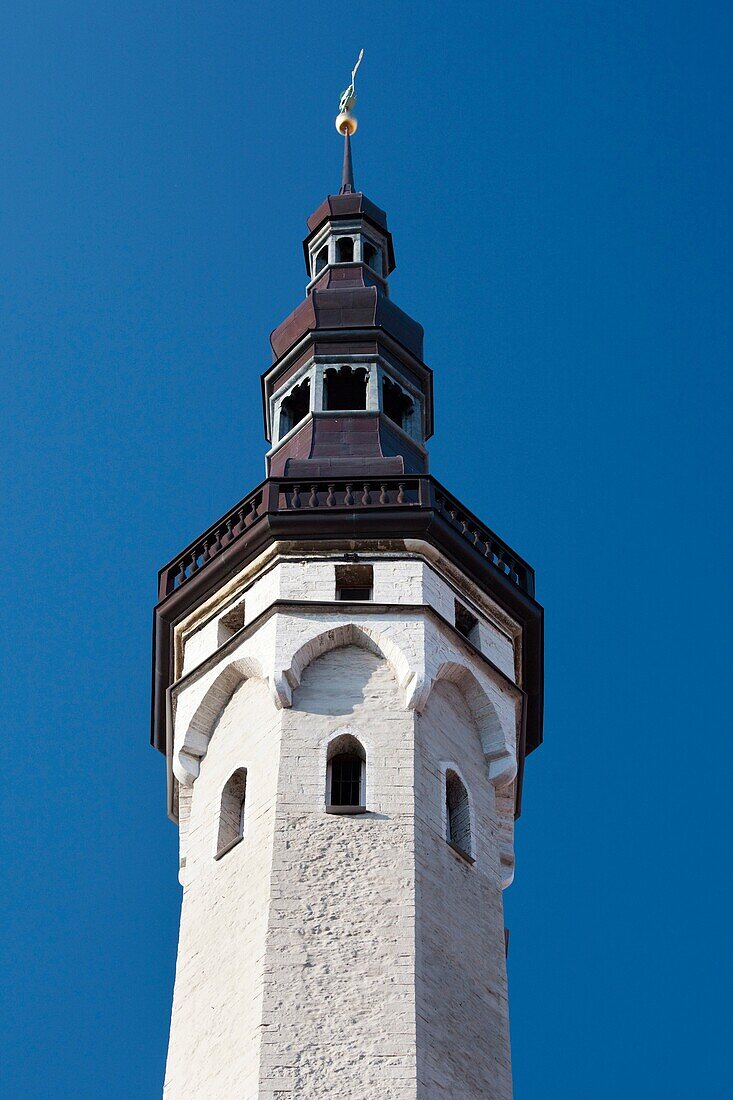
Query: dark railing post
column 270, row 496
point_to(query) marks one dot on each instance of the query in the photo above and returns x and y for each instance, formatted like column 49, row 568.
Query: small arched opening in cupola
column 372, row 256
column 295, row 406
column 345, row 388
column 396, row 404
column 320, row 260
column 345, row 250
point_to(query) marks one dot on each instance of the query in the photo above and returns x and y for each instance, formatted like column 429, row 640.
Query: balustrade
column 324, row 495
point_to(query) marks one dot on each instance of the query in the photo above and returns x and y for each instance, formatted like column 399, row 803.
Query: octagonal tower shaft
column 347, row 681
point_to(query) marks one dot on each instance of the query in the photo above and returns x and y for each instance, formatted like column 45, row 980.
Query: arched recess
column 191, row 743
column 288, row 679
column 499, row 745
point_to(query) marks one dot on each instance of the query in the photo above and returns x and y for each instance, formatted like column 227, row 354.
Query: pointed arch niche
column 192, row 736
column 376, row 641
column 498, row 739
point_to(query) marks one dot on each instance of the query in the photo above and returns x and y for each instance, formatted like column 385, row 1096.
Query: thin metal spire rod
column 347, row 174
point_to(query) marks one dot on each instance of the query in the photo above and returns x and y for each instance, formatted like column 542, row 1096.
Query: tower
column 347, row 681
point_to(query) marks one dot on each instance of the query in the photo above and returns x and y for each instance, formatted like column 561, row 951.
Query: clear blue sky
column 558, row 178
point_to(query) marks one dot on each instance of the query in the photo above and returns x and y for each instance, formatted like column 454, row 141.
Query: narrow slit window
column 295, row 406
column 344, row 250
column 396, row 404
column 354, row 582
column 346, row 776
column 457, row 814
column 231, row 812
column 345, row 388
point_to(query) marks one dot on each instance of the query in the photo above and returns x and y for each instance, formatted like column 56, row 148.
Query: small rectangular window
column 231, row 622
column 466, row 623
column 354, row 582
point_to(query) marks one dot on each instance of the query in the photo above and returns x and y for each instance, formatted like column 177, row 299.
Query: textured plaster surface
column 350, row 956
column 217, row 1004
column 461, row 986
column 396, row 581
column 339, row 1012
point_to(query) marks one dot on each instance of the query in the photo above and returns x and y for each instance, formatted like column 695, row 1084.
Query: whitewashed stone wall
column 461, row 987
column 217, row 1003
column 396, row 581
column 350, row 956
column 420, row 650
column 339, row 1012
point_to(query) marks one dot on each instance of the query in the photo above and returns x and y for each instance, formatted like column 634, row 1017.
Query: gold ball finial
column 346, row 123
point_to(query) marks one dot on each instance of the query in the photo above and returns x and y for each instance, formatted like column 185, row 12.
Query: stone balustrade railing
column 330, row 495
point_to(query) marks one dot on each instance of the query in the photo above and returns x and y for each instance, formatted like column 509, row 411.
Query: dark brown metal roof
column 351, row 307
column 347, row 206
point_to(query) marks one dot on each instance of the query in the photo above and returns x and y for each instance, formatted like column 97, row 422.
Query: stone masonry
column 327, row 955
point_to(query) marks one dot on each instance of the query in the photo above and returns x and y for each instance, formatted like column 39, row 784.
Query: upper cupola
column 348, row 392
column 348, row 240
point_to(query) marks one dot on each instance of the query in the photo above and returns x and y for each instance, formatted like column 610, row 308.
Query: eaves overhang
column 341, row 309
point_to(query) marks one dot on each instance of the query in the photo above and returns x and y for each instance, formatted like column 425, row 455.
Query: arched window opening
column 372, row 256
column 395, row 402
column 346, row 777
column 321, row 260
column 295, row 406
column 344, row 250
column 345, row 388
column 457, row 814
column 231, row 813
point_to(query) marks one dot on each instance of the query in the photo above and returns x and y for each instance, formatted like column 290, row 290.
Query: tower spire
column 347, row 173
column 346, row 124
